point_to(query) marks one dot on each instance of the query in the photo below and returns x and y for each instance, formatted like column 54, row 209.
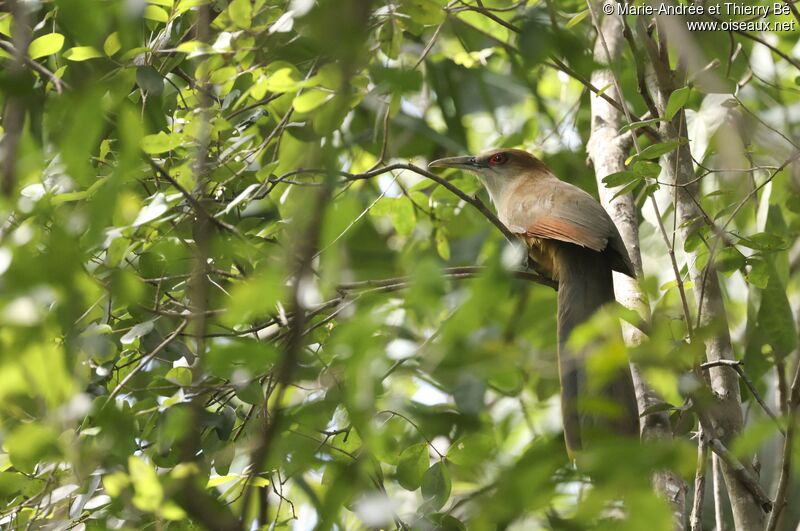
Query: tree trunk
column 607, row 150
column 725, row 414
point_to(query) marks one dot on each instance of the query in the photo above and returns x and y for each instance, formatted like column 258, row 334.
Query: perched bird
column 572, row 240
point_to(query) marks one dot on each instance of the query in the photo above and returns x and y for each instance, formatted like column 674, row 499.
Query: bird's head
column 496, row 168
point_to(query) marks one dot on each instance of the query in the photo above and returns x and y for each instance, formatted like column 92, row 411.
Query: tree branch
column 473, row 201
column 725, row 413
column 743, row 473
column 736, row 365
column 782, row 492
column 608, row 150
column 696, row 517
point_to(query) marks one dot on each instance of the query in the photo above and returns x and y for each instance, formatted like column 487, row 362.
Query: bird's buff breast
column 542, row 252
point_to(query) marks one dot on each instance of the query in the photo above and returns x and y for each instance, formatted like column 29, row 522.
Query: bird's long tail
column 584, row 285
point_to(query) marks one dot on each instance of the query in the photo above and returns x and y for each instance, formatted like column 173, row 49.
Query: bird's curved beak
column 464, row 163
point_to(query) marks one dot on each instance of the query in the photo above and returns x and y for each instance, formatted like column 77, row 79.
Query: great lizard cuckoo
column 572, row 240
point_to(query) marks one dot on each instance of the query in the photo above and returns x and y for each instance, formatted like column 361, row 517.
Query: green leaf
column 194, row 47
column 241, row 12
column 149, row 80
column 148, row 490
column 251, row 393
column 442, row 244
column 223, row 422
column 156, row 14
column 758, row 273
column 116, row 482
column 310, row 100
column 221, row 480
column 186, row 5
column 5, row 24
column 30, row 445
column 161, row 142
column 638, row 125
column 329, row 77
column 138, row 330
column 396, row 79
column 180, row 375
column 133, row 52
column 112, row 44
column 425, row 12
column 256, row 296
column 223, row 75
column 82, row 53
column 390, row 38
column 620, row 178
column 657, row 150
column 243, row 359
column 677, row 100
column 646, row 169
column 45, row 45
column 468, row 394
column 628, row 188
column 576, row 19
column 436, row 485
column 775, row 320
column 283, row 80
column 729, row 260
column 411, row 466
column 403, row 216
column 507, row 379
column 14, row 484
column 764, row 241
column 471, row 450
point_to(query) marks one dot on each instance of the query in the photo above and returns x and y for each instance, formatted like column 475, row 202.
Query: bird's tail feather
column 584, row 285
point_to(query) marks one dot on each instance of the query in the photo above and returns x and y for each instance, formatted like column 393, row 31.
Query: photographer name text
column 757, row 14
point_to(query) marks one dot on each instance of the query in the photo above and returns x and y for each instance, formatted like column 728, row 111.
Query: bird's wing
column 566, row 213
column 567, row 230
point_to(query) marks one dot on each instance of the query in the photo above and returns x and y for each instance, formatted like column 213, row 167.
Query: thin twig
column 474, row 201
column 429, row 46
column 416, row 427
column 144, row 361
column 58, row 83
column 193, row 202
column 448, row 272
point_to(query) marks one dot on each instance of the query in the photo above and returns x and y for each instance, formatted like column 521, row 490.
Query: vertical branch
column 607, row 151
column 719, row 522
column 306, row 241
column 790, row 405
column 198, row 283
column 725, row 412
column 696, row 518
column 197, row 502
column 14, row 111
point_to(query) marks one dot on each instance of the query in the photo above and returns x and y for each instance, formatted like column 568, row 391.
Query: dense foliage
column 231, row 297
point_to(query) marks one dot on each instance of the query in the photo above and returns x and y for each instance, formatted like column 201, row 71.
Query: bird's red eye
column 497, row 158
